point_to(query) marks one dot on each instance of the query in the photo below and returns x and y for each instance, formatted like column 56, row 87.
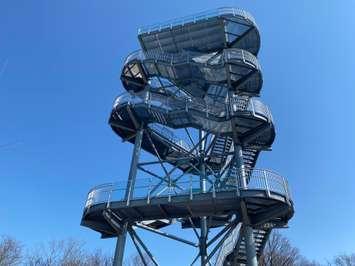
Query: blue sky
column 59, row 69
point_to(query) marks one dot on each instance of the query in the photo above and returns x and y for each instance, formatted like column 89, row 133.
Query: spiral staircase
column 199, row 73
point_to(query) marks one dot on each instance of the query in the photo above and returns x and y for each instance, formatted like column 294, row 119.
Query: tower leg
column 250, row 246
column 120, row 246
column 203, row 241
column 203, row 187
column 133, row 169
column 121, row 238
column 248, row 230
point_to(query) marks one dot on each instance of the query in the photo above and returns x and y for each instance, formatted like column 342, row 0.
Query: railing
column 197, row 17
column 169, row 135
column 192, row 57
column 247, row 57
column 258, row 107
column 147, row 189
column 171, row 103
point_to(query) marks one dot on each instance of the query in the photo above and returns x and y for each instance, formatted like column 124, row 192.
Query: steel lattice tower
column 192, row 105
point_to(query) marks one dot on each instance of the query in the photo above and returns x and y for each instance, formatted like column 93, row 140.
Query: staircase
column 250, row 156
column 219, row 151
column 233, row 250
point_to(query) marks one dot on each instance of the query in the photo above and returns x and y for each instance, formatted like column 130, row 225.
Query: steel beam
column 248, row 230
column 133, row 169
column 166, row 235
column 250, row 246
column 138, row 248
column 203, row 185
column 134, row 234
column 121, row 238
column 220, row 243
column 120, row 246
column 238, row 153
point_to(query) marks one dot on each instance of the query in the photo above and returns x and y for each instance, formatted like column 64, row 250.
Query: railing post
column 285, row 188
column 252, row 106
column 266, row 184
column 109, row 198
column 213, row 190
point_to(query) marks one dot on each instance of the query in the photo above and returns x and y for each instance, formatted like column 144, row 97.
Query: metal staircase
column 250, row 156
column 220, row 151
column 233, row 251
column 192, row 105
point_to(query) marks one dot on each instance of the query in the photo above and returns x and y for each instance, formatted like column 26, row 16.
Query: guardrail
column 197, row 17
column 262, row 180
column 192, row 57
column 169, row 135
column 170, row 103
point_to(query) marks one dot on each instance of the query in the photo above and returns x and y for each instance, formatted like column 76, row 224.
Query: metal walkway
column 192, row 104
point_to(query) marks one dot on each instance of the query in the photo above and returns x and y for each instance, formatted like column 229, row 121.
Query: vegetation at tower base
column 192, row 107
column 278, row 252
column 10, row 251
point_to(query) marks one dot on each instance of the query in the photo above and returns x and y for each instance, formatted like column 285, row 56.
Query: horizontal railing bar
column 259, row 179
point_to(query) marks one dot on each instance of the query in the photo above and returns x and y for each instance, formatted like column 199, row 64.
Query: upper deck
column 208, row 31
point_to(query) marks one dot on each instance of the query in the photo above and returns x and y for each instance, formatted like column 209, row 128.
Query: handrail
column 169, row 135
column 169, row 103
column 223, row 11
column 191, row 57
column 187, row 186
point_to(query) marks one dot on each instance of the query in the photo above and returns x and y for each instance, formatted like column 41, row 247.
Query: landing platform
column 264, row 206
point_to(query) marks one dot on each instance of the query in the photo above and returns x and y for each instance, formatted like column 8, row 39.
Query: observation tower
column 197, row 124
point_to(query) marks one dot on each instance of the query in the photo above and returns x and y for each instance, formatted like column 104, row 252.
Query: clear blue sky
column 59, row 69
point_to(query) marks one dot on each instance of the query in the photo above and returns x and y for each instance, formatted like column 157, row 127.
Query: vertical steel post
column 248, row 230
column 121, row 238
column 133, row 169
column 203, row 187
column 250, row 246
column 120, row 246
column 241, row 167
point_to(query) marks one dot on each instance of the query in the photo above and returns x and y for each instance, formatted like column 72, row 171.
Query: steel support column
column 250, row 246
column 120, row 246
column 134, row 163
column 248, row 230
column 243, row 182
column 203, row 187
column 121, row 238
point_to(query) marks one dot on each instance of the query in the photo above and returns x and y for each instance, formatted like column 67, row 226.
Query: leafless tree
column 345, row 260
column 305, row 262
column 98, row 259
column 136, row 260
column 279, row 251
column 10, row 251
column 66, row 253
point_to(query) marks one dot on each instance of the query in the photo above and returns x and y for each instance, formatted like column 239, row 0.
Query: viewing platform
column 153, row 199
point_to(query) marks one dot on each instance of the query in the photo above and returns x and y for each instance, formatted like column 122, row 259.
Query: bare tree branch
column 10, row 251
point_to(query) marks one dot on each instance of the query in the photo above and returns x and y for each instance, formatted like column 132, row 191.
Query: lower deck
column 262, row 206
